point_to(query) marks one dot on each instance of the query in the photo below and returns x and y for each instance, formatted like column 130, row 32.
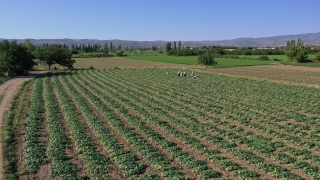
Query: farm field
column 271, row 57
column 288, row 74
column 192, row 60
column 151, row 124
column 112, row 62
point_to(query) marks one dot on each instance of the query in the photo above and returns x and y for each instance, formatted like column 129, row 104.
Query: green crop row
column 194, row 144
column 125, row 160
column 96, row 163
column 58, row 141
column 183, row 126
column 309, row 170
column 185, row 158
column 150, row 154
column 312, row 157
column 33, row 147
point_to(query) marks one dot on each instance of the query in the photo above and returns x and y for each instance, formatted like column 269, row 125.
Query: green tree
column 54, row 55
column 15, row 59
column 179, row 45
column 30, row 47
column 296, row 51
column 106, row 48
column 318, row 56
column 168, row 46
column 111, row 47
column 174, row 45
column 206, row 59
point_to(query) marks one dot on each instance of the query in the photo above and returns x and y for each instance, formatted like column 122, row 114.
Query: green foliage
column 106, row 48
column 318, row 56
column 92, row 55
column 264, row 58
column 206, row 59
column 15, row 59
column 74, row 51
column 55, row 55
column 3, row 79
column 296, row 51
column 119, row 53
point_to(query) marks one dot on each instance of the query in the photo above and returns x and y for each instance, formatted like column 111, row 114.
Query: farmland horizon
column 279, row 40
column 162, row 40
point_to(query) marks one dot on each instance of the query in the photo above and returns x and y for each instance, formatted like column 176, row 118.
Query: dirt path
column 7, row 89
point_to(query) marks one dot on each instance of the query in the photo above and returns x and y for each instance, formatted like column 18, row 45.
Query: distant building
column 265, row 48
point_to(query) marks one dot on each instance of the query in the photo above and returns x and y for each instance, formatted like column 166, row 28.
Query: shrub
column 207, row 59
column 264, row 58
column 119, row 53
column 318, row 56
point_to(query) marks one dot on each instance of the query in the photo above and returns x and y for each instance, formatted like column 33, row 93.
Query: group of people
column 184, row 74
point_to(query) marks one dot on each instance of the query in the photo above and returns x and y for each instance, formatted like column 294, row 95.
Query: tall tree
column 168, row 46
column 179, row 45
column 296, row 51
column 111, row 47
column 54, row 55
column 106, row 48
column 174, row 45
column 15, row 59
column 28, row 44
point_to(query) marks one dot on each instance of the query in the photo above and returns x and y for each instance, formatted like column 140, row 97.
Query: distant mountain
column 308, row 38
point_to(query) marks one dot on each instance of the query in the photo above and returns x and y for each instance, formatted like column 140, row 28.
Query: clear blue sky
column 150, row 20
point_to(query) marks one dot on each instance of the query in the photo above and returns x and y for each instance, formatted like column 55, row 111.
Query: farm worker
column 184, row 74
column 178, row 73
column 192, row 73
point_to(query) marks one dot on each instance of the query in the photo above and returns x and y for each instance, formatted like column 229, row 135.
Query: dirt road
column 7, row 89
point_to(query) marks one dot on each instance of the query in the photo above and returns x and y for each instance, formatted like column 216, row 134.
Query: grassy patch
column 4, row 78
column 308, row 64
column 226, row 62
column 271, row 57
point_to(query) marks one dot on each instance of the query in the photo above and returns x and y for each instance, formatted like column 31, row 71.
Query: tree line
column 17, row 59
column 176, row 49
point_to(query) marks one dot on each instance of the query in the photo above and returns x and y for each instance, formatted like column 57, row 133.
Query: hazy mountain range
column 308, row 38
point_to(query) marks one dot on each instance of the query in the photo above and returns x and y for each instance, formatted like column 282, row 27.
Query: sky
column 150, row 20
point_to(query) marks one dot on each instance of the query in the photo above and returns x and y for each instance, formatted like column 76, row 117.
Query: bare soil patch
column 297, row 75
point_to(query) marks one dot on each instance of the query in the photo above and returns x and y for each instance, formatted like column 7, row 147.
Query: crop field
column 151, row 124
